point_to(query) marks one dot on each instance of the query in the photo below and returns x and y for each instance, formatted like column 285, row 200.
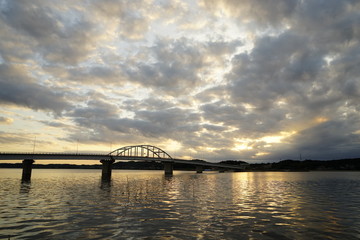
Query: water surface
column 75, row 204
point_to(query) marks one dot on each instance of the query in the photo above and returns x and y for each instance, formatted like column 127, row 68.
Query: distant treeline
column 285, row 165
column 309, row 165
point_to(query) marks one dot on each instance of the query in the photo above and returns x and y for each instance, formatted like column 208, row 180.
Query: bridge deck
column 81, row 156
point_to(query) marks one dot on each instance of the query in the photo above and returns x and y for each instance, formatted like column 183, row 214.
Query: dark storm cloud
column 222, row 112
column 31, row 19
column 175, row 67
column 98, row 121
column 16, row 87
column 174, row 120
column 287, row 67
column 94, row 75
column 338, row 137
column 330, row 22
column 295, row 75
column 90, row 119
column 153, row 118
column 276, row 68
column 172, row 67
column 105, row 119
column 249, row 124
column 346, row 72
column 12, row 46
column 95, row 108
column 53, row 36
column 329, row 140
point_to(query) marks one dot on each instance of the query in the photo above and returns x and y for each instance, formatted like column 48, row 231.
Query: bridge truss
column 147, row 151
column 136, row 153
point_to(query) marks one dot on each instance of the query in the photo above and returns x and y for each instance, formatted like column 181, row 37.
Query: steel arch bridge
column 146, row 151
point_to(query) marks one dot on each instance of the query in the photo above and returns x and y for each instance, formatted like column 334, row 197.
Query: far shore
column 285, row 165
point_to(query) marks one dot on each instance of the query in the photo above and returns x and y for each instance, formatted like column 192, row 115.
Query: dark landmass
column 309, row 165
column 285, row 165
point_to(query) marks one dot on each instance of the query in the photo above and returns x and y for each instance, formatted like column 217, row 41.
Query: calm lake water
column 74, row 204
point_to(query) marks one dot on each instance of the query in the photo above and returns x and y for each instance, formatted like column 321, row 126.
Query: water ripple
column 75, row 204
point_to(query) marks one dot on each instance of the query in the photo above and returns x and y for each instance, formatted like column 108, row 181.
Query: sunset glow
column 211, row 80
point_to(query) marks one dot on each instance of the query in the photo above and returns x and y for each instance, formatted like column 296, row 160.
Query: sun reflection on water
column 142, row 204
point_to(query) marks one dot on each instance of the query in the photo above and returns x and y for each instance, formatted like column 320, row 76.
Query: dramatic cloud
column 263, row 13
column 250, row 79
column 20, row 89
column 56, row 32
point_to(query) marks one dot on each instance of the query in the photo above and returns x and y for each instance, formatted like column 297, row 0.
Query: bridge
column 134, row 153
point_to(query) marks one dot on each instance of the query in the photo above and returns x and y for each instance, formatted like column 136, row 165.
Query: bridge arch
column 141, row 151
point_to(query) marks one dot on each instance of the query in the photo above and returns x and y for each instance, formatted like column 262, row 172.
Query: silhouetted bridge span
column 128, row 153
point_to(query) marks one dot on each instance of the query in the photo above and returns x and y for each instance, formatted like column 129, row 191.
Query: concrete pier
column 168, row 168
column 106, row 169
column 27, row 168
column 199, row 169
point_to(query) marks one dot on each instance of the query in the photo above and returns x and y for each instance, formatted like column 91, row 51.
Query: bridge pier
column 106, row 169
column 27, row 168
column 199, row 169
column 168, row 168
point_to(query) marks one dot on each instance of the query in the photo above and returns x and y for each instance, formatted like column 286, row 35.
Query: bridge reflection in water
column 135, row 153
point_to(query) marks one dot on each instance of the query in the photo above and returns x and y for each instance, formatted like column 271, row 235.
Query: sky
column 254, row 80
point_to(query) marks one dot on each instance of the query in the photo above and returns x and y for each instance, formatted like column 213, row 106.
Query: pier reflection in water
column 76, row 204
